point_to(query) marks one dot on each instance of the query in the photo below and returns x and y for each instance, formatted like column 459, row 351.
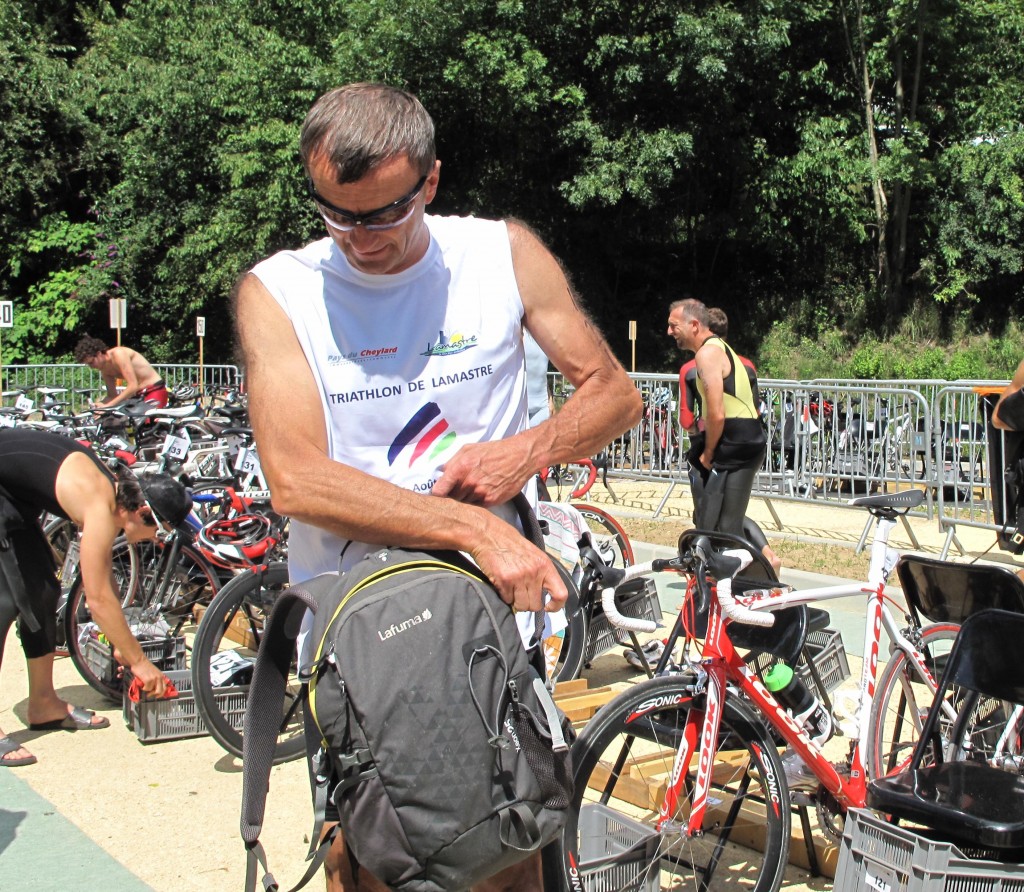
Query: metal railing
column 80, row 380
column 831, row 439
column 827, row 439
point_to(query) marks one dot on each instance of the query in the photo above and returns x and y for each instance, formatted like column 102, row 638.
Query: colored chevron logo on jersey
column 428, row 430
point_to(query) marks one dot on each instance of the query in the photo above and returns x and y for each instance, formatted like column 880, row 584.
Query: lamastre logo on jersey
column 428, row 431
column 450, row 344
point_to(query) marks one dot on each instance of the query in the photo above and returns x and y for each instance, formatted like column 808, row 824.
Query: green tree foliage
column 830, row 167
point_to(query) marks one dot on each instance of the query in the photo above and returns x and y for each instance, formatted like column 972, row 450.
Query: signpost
column 6, row 321
column 118, row 315
column 632, row 339
column 201, row 334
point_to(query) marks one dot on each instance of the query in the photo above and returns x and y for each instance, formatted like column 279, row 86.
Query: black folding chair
column 945, row 592
column 967, row 800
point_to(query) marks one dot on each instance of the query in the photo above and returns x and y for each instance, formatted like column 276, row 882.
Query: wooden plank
column 580, row 706
column 575, row 686
column 643, row 784
column 593, row 697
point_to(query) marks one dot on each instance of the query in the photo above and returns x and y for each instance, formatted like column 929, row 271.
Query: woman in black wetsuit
column 42, row 471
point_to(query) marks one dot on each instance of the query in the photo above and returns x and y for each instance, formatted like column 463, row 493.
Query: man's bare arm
column 604, row 404
column 306, row 484
column 1014, row 388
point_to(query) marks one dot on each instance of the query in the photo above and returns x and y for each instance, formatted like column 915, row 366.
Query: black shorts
column 35, row 560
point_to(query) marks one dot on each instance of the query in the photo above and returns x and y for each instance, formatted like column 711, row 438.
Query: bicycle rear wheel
column 901, row 703
column 610, row 538
column 991, row 731
column 622, row 761
column 224, row 653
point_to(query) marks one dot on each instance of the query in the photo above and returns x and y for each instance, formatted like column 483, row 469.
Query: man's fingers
column 558, row 594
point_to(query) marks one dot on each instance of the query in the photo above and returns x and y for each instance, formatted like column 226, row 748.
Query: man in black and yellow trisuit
column 734, row 439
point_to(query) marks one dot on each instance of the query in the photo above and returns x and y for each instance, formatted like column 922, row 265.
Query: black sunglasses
column 387, row 217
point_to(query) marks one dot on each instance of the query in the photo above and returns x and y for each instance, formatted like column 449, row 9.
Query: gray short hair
column 360, row 126
column 692, row 309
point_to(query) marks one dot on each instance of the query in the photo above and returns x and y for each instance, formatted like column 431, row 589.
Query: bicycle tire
column 125, row 562
column 901, row 702
column 633, row 739
column 988, row 730
column 573, row 647
column 610, row 538
column 249, row 596
column 194, row 581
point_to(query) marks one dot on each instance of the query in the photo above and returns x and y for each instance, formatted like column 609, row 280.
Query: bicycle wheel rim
column 901, row 703
column 230, row 631
column 621, row 762
column 610, row 539
column 81, row 633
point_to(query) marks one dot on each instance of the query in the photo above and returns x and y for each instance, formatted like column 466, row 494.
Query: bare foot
column 12, row 754
column 58, row 713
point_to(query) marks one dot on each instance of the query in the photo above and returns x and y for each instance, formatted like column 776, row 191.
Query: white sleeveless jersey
column 411, row 366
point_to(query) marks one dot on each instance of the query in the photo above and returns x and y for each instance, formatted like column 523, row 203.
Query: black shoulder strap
column 262, row 716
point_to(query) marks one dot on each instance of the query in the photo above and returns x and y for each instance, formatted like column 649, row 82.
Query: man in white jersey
column 386, row 373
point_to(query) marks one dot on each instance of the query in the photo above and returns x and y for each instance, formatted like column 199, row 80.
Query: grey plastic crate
column 880, row 857
column 164, row 653
column 159, row 720
column 643, row 604
column 826, row 650
column 616, row 852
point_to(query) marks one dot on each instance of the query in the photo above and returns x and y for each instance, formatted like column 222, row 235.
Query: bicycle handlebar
column 628, row 623
column 730, row 606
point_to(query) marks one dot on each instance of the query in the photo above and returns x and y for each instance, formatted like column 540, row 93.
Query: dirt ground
column 813, row 557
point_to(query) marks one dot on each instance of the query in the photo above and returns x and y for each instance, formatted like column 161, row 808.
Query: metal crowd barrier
column 74, row 377
column 827, row 439
column 833, row 439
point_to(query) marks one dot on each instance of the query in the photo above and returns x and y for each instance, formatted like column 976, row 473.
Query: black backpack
column 441, row 746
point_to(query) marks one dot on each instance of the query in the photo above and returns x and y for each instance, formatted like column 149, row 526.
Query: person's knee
column 343, row 874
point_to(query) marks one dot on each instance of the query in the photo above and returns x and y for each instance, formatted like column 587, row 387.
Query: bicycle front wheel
column 81, row 633
column 223, row 656
column 610, row 538
column 622, row 762
column 902, row 700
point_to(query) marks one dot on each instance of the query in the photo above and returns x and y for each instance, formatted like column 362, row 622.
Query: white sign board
column 247, row 462
column 118, row 312
column 177, row 447
column 200, row 326
column 6, row 313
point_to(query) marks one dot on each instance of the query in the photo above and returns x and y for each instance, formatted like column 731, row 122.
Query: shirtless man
column 141, row 380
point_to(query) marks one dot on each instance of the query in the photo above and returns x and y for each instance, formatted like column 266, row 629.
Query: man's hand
column 520, row 571
column 484, row 474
